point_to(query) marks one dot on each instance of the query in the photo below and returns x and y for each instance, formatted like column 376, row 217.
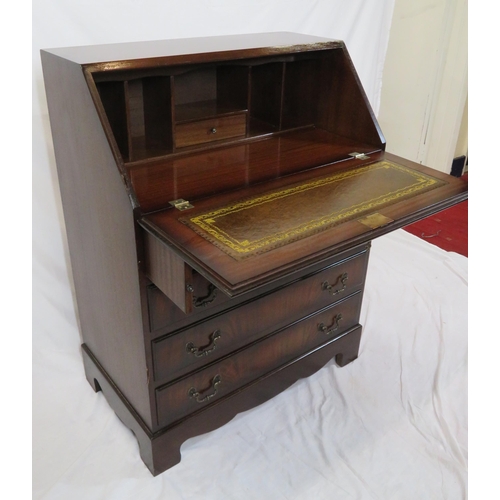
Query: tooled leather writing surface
column 238, row 276
column 274, row 219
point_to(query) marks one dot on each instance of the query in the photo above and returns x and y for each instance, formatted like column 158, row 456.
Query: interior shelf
column 159, row 113
column 201, row 110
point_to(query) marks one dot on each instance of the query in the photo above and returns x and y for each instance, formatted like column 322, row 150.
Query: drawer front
column 191, row 348
column 187, row 289
column 231, row 373
column 212, row 129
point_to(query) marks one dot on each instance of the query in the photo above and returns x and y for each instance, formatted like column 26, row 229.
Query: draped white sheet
column 390, row 425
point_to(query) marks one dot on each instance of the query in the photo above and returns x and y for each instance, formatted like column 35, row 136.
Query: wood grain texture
column 100, row 231
column 236, row 277
column 255, row 360
column 165, row 317
column 200, row 173
column 168, row 272
column 280, row 93
column 266, row 90
column 210, row 130
column 256, row 318
column 151, row 293
column 192, row 50
column 161, row 450
column 158, row 128
column 350, row 102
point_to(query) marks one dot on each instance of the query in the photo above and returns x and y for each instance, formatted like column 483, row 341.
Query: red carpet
column 447, row 229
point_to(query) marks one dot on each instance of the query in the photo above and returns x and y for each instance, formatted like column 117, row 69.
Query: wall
column 463, row 136
column 425, row 80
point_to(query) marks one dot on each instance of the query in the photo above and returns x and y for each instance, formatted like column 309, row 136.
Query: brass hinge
column 181, row 204
column 359, row 156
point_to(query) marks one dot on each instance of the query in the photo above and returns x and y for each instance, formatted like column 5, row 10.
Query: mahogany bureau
column 220, row 195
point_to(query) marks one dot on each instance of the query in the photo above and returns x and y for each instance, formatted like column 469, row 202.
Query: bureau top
column 268, row 139
column 182, row 50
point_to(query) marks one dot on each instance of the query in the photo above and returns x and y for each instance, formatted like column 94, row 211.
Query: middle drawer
column 187, row 350
column 218, row 379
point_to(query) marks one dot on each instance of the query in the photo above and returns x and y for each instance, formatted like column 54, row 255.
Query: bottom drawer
column 198, row 389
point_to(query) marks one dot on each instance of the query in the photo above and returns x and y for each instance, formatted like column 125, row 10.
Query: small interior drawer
column 210, row 130
column 231, row 373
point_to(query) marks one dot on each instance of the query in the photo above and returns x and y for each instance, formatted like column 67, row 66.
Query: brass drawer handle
column 213, row 130
column 207, row 299
column 343, row 281
column 193, row 393
column 333, row 327
column 204, row 350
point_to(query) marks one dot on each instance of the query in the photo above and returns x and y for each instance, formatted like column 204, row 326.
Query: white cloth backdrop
column 390, row 425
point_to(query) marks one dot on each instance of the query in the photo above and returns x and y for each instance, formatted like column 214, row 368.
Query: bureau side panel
column 100, row 232
column 350, row 113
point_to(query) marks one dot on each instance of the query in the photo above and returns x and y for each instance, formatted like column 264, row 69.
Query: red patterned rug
column 447, row 229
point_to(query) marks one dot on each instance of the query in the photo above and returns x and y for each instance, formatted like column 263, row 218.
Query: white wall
column 463, row 136
column 425, row 80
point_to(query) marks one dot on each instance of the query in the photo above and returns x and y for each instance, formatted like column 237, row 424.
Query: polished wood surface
column 198, row 175
column 257, row 318
column 101, row 233
column 151, row 53
column 239, row 276
column 161, row 450
column 178, row 335
column 165, row 317
column 169, row 272
column 244, row 99
column 210, row 130
column 256, row 359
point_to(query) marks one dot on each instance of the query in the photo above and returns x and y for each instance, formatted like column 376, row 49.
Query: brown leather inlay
column 273, row 219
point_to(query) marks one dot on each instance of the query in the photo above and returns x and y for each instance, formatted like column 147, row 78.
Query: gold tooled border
column 205, row 224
